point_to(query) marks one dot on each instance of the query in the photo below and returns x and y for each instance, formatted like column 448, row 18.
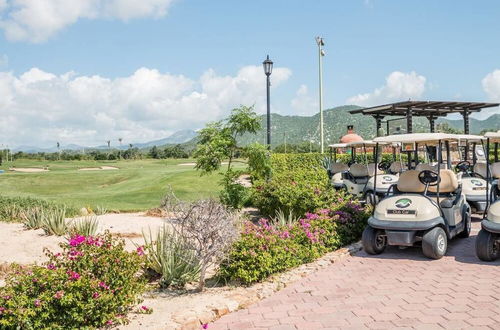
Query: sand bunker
column 102, row 168
column 28, row 169
column 187, row 164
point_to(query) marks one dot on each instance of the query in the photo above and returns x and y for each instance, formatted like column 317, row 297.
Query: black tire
column 434, row 243
column 373, row 241
column 468, row 226
column 486, row 246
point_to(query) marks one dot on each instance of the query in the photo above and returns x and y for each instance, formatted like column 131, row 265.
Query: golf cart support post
column 429, row 109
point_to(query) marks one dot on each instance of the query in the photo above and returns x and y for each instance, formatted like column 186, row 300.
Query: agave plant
column 33, row 218
column 282, row 219
column 326, row 162
column 101, row 210
column 86, row 226
column 172, row 257
column 54, row 222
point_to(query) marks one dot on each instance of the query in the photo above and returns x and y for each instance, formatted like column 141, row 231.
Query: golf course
column 124, row 185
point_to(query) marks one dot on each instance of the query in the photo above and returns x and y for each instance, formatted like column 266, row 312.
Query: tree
column 109, row 144
column 217, row 141
column 153, row 153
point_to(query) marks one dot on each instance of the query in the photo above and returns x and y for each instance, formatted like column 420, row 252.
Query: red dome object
column 350, row 136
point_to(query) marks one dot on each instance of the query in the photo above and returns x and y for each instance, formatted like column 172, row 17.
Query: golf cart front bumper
column 405, row 225
column 492, row 227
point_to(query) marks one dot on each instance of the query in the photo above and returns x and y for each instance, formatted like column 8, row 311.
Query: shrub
column 54, row 222
column 86, row 226
column 12, row 208
column 264, row 249
column 233, row 194
column 171, row 257
column 92, row 283
column 33, row 218
column 101, row 210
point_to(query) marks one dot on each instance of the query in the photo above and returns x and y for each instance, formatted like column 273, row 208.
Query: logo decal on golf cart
column 387, row 178
column 476, row 182
column 403, row 203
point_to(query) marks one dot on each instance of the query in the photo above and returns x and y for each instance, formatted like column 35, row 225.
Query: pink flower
column 37, row 302
column 59, row 294
column 76, row 240
column 51, row 266
column 140, row 250
column 103, row 285
column 204, row 326
column 144, row 308
column 2, row 309
column 285, row 234
column 95, row 295
column 73, row 275
column 109, row 322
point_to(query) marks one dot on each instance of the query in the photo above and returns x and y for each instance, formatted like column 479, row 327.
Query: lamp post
column 321, row 53
column 268, row 69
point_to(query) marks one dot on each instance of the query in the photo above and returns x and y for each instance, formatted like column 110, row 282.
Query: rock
column 84, row 211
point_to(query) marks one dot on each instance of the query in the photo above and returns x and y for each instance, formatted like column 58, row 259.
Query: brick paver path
column 397, row 289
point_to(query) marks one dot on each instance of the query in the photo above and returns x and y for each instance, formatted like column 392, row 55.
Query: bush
column 33, row 218
column 298, row 183
column 92, row 283
column 54, row 222
column 233, row 194
column 86, row 226
column 13, row 208
column 171, row 257
column 264, row 249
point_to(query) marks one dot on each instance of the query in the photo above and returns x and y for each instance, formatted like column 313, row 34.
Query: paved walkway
column 398, row 289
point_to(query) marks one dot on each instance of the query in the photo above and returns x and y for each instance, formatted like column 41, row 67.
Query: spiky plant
column 33, row 218
column 282, row 219
column 86, row 226
column 54, row 222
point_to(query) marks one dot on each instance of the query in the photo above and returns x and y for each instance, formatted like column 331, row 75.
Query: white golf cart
column 488, row 239
column 425, row 207
column 336, row 168
column 361, row 180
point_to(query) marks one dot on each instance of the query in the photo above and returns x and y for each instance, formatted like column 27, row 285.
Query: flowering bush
column 93, row 282
column 264, row 249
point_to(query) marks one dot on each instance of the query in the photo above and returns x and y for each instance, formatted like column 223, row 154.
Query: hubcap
column 380, row 241
column 441, row 243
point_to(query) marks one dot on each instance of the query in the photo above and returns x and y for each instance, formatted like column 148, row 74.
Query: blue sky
column 115, row 68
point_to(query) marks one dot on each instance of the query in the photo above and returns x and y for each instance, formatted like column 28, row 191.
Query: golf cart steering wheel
column 384, row 166
column 429, row 178
column 463, row 166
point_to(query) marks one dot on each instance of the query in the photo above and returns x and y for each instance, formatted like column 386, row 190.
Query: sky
column 87, row 71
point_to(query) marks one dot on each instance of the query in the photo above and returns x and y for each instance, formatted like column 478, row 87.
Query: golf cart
column 424, row 207
column 360, row 179
column 488, row 239
column 336, row 168
column 473, row 184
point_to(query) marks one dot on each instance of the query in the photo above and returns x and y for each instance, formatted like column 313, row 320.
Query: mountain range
column 299, row 129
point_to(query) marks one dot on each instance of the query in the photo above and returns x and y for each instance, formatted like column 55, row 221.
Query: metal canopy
column 429, row 109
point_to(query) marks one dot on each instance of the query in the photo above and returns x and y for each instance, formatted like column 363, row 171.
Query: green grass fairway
column 137, row 185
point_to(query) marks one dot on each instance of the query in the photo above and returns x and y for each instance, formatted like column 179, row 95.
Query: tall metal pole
column 268, row 112
column 320, row 43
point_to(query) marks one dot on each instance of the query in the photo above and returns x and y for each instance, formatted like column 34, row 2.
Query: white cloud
column 39, row 108
column 38, row 20
column 491, row 86
column 303, row 103
column 399, row 86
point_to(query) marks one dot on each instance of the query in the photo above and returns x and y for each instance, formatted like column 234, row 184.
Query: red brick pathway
column 398, row 289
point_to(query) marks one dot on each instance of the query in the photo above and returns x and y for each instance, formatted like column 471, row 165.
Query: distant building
column 350, row 136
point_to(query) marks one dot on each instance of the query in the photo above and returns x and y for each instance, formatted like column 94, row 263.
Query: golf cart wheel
column 434, row 243
column 486, row 246
column 374, row 241
column 468, row 226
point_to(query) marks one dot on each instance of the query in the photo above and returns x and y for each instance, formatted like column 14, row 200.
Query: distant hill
column 298, row 129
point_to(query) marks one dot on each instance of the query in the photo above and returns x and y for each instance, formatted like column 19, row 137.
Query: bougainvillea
column 93, row 282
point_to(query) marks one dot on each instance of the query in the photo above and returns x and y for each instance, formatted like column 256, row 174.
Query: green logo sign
column 387, row 178
column 403, row 203
column 476, row 182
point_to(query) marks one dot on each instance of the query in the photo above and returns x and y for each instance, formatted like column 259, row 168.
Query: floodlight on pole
column 320, row 42
column 268, row 69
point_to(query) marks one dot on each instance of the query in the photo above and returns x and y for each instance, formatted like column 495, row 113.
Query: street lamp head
column 268, row 66
column 320, row 41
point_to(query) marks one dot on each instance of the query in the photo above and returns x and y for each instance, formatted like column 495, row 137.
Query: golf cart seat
column 480, row 169
column 358, row 173
column 448, row 184
column 339, row 167
column 495, row 170
column 409, row 183
column 371, row 170
column 397, row 167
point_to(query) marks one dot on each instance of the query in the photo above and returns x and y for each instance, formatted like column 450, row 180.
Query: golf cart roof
column 493, row 136
column 428, row 138
column 470, row 138
column 338, row 145
column 366, row 143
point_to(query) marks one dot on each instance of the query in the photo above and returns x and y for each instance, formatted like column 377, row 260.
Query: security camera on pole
column 321, row 53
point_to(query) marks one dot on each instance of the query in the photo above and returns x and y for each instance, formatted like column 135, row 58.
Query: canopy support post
column 466, row 121
column 432, row 123
column 409, row 121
